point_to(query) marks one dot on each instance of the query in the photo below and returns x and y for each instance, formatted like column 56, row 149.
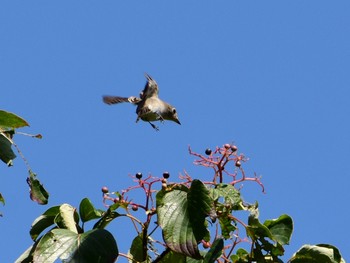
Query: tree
column 197, row 219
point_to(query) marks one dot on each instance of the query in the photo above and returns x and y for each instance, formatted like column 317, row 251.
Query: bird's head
column 172, row 115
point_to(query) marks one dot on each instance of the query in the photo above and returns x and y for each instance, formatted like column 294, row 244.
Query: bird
column 150, row 107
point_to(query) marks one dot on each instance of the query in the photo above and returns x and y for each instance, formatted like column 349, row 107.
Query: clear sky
column 270, row 76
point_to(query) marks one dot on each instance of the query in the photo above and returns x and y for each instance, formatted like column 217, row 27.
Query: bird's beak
column 177, row 121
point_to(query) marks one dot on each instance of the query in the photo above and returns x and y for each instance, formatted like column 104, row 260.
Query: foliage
column 317, row 253
column 67, row 240
column 9, row 123
column 198, row 220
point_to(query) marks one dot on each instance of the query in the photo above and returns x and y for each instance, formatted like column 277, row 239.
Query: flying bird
column 149, row 106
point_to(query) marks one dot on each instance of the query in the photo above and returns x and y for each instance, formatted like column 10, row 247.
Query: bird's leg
column 154, row 126
column 160, row 118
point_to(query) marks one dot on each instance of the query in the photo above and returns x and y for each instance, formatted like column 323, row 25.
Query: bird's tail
column 115, row 99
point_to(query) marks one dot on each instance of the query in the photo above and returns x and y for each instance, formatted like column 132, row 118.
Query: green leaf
column 9, row 120
column 44, row 221
column 181, row 215
column 27, row 256
column 199, row 198
column 226, row 226
column 87, row 211
column 136, row 252
column 95, row 246
column 173, row 257
column 277, row 250
column 255, row 229
column 106, row 218
column 192, row 260
column 231, row 195
column 67, row 218
column 199, row 207
column 317, row 253
column 280, row 228
column 242, row 256
column 215, row 251
column 6, row 153
column 37, row 190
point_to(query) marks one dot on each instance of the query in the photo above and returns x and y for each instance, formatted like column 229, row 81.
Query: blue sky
column 270, row 76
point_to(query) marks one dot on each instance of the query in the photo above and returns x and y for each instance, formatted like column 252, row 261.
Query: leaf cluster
column 9, row 123
column 198, row 219
column 66, row 239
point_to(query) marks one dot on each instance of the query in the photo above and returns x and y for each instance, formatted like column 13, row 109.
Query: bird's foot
column 154, row 126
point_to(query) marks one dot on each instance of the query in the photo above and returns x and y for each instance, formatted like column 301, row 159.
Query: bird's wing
column 151, row 88
column 117, row 99
column 147, row 114
column 144, row 111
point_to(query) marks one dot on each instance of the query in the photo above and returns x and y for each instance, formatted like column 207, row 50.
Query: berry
column 227, row 146
column 238, row 164
column 104, row 190
column 206, row 244
column 234, row 148
column 139, row 175
column 134, row 208
column 208, row 151
column 166, row 175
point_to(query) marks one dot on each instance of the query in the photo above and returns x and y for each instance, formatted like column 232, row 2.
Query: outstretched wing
column 151, row 88
column 115, row 99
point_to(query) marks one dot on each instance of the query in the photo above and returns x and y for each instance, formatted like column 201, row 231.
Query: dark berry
column 139, row 175
column 238, row 164
column 208, row 151
column 134, row 207
column 227, row 146
column 104, row 190
column 234, row 148
column 166, row 175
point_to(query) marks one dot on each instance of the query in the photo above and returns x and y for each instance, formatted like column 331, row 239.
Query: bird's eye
column 174, row 110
